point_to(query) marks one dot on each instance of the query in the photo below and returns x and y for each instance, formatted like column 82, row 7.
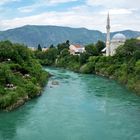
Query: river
column 80, row 107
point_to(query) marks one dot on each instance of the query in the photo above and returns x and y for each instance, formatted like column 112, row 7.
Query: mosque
column 116, row 41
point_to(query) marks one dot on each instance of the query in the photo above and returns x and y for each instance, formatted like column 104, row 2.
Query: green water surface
column 80, row 107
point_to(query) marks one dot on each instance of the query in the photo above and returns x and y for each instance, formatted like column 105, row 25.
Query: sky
column 91, row 14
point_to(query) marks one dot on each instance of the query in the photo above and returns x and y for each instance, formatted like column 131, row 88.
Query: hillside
column 32, row 35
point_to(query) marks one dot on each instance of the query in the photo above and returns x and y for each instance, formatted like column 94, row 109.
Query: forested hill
column 32, row 35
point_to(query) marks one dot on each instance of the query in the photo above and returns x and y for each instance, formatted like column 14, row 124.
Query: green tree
column 62, row 46
column 51, row 46
column 83, row 58
column 39, row 47
column 100, row 45
column 91, row 50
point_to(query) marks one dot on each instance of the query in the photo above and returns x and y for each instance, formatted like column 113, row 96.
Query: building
column 32, row 48
column 108, row 36
column 76, row 49
column 116, row 41
column 138, row 38
column 45, row 49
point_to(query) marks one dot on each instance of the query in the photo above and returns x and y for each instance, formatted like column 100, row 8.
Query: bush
column 32, row 90
column 88, row 68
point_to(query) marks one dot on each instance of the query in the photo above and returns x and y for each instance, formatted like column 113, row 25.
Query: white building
column 107, row 49
column 117, row 40
column 44, row 49
column 138, row 38
column 32, row 48
column 76, row 49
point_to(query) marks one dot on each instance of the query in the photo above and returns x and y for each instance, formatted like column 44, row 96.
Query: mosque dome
column 119, row 37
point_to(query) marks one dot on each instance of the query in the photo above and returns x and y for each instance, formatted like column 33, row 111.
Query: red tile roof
column 77, row 46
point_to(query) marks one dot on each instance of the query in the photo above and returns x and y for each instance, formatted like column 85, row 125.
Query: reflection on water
column 80, row 107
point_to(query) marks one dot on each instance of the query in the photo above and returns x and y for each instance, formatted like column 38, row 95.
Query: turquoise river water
column 75, row 107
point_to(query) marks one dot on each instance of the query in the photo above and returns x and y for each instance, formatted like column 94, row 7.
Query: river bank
column 125, row 81
column 21, row 101
column 21, row 76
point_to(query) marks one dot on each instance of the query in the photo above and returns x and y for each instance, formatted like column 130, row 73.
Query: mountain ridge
column 32, row 35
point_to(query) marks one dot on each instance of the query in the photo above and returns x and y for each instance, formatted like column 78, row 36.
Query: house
column 32, row 48
column 76, row 49
column 45, row 49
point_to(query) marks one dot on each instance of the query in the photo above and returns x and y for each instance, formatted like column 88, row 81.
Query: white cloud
column 78, row 17
column 118, row 11
column 28, row 9
column 58, row 1
column 2, row 2
column 69, row 18
column 114, row 3
column 105, row 3
column 40, row 3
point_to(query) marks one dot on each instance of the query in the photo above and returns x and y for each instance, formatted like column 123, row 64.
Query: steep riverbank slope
column 21, row 75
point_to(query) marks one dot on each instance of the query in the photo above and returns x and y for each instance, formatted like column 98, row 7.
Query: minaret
column 108, row 36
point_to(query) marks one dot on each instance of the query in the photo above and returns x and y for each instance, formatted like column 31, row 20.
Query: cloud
column 69, row 18
column 118, row 11
column 30, row 8
column 58, row 1
column 115, row 3
column 42, row 3
column 124, row 17
column 80, row 16
column 104, row 3
column 2, row 2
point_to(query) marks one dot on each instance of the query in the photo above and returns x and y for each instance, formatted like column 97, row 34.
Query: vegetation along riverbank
column 124, row 66
column 21, row 75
